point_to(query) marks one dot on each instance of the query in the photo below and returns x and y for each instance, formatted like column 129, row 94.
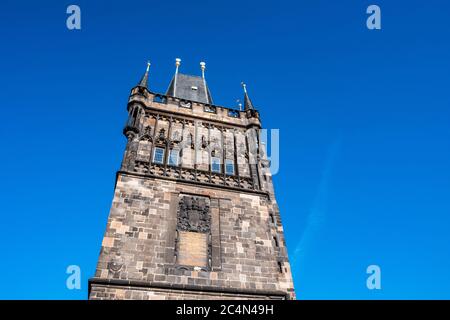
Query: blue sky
column 363, row 117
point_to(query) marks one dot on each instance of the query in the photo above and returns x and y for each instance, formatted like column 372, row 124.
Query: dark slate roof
column 189, row 88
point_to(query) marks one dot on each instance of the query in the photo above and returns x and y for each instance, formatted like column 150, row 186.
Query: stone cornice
column 134, row 284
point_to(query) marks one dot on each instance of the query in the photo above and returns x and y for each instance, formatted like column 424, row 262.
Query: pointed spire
column 144, row 80
column 203, row 67
column 177, row 65
column 248, row 105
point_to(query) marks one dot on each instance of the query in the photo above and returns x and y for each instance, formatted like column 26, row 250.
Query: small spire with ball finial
column 144, row 79
column 177, row 65
column 247, row 102
column 203, row 67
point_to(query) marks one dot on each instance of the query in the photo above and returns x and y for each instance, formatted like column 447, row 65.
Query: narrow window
column 280, row 267
column 276, row 241
column 158, row 155
column 272, row 218
column 135, row 112
column 174, row 157
column 229, row 167
column 215, row 164
column 135, row 116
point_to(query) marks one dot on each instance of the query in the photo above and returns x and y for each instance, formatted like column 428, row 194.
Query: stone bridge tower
column 194, row 214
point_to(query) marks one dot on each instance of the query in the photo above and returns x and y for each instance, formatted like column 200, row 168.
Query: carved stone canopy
column 161, row 138
column 176, row 136
column 147, row 135
column 204, row 142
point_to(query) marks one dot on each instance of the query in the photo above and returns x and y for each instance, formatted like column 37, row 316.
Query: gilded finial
column 177, row 62
column 148, row 66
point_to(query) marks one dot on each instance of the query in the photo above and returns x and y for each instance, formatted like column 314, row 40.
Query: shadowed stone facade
column 194, row 214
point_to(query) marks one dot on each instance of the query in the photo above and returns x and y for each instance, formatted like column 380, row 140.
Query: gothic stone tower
column 194, row 214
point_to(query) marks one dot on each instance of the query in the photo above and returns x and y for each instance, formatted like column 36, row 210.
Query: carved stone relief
column 193, row 214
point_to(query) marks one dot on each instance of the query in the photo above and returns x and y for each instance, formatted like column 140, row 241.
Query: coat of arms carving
column 193, row 214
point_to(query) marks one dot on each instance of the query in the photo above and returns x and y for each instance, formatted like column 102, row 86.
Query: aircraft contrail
column 317, row 214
